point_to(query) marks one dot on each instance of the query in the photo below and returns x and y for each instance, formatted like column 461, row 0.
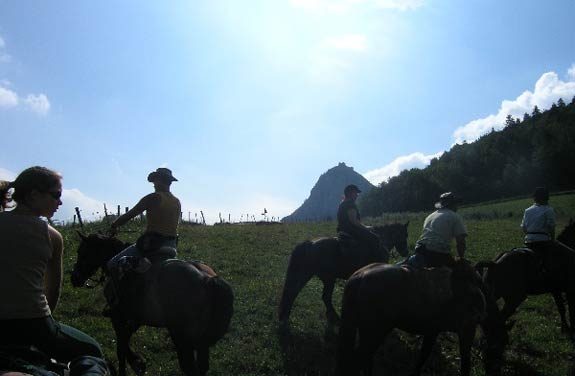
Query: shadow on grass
column 307, row 355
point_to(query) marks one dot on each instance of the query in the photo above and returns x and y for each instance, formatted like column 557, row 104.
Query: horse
column 326, row 259
column 515, row 274
column 380, row 297
column 187, row 298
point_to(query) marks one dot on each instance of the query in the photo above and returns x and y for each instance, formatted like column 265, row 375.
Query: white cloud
column 8, row 98
column 7, row 174
column 548, row 89
column 414, row 160
column 38, row 103
column 354, row 42
column 90, row 208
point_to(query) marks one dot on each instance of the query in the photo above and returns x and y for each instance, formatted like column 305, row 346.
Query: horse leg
column 426, row 347
column 560, row 303
column 369, row 341
column 510, row 306
column 326, row 296
column 571, row 306
column 295, row 281
column 466, row 335
column 123, row 350
column 203, row 357
column 186, row 351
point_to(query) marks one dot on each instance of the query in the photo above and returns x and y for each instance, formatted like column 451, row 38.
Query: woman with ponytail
column 31, row 270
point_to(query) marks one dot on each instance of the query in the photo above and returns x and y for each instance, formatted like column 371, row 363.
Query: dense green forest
column 537, row 150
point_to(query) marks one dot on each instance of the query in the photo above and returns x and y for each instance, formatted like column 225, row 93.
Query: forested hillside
column 537, row 150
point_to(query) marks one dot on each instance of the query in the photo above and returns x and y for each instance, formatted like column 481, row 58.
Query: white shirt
column 538, row 223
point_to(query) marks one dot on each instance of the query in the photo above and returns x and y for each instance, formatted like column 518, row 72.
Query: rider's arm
column 53, row 277
column 461, row 245
column 144, row 204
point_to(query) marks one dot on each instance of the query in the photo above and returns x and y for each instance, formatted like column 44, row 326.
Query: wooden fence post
column 79, row 217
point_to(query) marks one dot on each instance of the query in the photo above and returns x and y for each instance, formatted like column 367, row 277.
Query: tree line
column 538, row 150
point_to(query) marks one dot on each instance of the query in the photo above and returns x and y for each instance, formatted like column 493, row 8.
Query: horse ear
column 82, row 236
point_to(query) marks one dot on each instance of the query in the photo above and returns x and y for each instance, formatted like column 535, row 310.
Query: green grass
column 253, row 259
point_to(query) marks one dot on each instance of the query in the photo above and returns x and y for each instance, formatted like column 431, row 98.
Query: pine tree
column 560, row 103
column 536, row 111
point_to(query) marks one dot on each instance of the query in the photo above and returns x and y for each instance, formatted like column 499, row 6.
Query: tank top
column 25, row 249
column 164, row 218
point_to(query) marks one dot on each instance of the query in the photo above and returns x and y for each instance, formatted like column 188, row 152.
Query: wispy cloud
column 8, row 98
column 548, row 89
column 571, row 73
column 339, row 6
column 4, row 57
column 414, row 160
column 38, row 103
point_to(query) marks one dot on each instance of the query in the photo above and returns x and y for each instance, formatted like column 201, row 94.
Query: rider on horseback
column 434, row 246
column 163, row 211
column 349, row 220
column 538, row 225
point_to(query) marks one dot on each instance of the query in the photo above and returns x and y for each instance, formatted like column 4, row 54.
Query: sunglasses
column 55, row 194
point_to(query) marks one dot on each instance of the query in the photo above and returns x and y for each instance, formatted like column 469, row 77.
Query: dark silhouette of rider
column 538, row 225
column 349, row 219
column 439, row 228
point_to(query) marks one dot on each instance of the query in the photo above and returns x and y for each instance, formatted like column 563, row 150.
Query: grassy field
column 253, row 259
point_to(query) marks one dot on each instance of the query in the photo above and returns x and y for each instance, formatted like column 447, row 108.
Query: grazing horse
column 515, row 274
column 381, row 297
column 327, row 259
column 187, row 298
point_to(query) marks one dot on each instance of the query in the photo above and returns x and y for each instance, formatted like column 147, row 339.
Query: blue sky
column 248, row 102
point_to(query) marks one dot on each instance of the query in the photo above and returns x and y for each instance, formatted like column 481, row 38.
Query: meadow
column 253, row 259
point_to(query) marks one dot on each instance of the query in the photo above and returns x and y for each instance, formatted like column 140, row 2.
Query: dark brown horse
column 188, row 299
column 515, row 274
column 328, row 260
column 381, row 297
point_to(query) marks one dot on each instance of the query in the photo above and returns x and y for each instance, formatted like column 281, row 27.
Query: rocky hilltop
column 327, row 193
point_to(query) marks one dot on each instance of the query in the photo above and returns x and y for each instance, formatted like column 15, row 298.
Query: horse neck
column 567, row 236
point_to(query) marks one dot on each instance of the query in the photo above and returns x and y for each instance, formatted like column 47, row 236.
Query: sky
column 249, row 102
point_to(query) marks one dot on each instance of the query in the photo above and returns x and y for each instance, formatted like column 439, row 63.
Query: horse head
column 394, row 235
column 94, row 252
column 567, row 235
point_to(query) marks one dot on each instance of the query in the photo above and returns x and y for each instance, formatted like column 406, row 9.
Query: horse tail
column 297, row 275
column 348, row 329
column 222, row 308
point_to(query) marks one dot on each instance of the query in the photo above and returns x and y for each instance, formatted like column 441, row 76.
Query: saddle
column 30, row 360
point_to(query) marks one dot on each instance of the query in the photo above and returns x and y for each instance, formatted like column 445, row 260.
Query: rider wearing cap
column 439, row 228
column 349, row 219
column 538, row 224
